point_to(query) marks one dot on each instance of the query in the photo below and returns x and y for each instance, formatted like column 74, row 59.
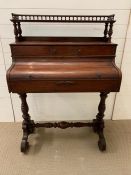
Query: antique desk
column 63, row 64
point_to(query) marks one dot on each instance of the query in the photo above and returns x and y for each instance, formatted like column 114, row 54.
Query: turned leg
column 27, row 125
column 99, row 122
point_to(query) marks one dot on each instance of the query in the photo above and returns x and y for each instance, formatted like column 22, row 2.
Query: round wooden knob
column 53, row 51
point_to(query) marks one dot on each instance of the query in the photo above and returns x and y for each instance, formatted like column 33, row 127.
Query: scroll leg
column 27, row 125
column 98, row 123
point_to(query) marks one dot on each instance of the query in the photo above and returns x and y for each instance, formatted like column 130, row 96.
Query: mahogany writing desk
column 63, row 64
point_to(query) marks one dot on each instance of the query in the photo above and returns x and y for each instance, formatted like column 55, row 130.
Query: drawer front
column 96, row 50
column 82, row 50
column 30, row 50
column 64, row 86
column 63, row 50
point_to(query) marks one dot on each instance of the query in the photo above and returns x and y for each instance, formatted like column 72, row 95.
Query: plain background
column 60, row 106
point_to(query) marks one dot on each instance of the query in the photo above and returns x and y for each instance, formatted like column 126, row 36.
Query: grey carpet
column 66, row 152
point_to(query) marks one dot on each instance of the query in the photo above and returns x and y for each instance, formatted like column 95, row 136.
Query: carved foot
column 28, row 128
column 24, row 146
column 24, row 142
column 98, row 126
column 102, row 142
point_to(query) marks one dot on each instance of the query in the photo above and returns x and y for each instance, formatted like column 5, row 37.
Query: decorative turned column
column 27, row 125
column 16, row 30
column 99, row 122
column 102, row 106
column 24, row 107
column 110, row 31
column 106, row 30
column 19, row 30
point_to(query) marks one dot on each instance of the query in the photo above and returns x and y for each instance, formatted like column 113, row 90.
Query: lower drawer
column 36, row 86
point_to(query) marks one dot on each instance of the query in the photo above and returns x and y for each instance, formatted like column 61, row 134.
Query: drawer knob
column 78, row 51
column 65, row 82
column 52, row 51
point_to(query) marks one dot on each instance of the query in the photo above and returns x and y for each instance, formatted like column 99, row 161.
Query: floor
column 66, row 152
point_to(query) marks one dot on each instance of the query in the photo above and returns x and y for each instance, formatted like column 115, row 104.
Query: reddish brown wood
column 63, row 64
column 63, row 86
column 62, row 49
column 55, row 59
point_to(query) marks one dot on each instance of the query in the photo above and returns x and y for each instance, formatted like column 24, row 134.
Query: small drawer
column 28, row 50
column 96, row 50
column 85, row 50
column 63, row 50
column 44, row 50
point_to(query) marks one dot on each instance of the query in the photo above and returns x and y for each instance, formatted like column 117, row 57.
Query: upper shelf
column 108, row 20
column 63, row 18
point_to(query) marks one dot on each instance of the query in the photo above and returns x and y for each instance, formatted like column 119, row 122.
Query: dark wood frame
column 29, row 125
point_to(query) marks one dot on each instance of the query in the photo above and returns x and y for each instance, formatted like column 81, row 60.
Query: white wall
column 122, row 108
column 60, row 106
